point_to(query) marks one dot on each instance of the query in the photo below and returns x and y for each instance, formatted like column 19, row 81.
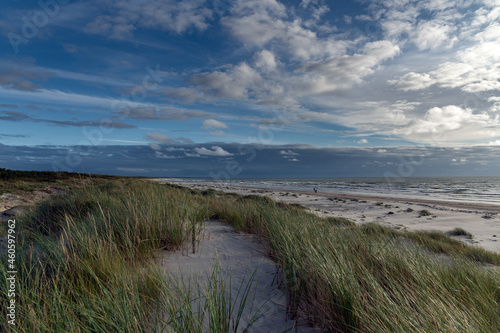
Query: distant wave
column 464, row 189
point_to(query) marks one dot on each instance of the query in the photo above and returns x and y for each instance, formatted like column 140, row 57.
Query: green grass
column 19, row 182
column 424, row 212
column 207, row 305
column 84, row 266
column 82, row 256
column 460, row 232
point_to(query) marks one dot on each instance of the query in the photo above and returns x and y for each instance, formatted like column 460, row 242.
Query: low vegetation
column 460, row 232
column 16, row 182
column 424, row 212
column 85, row 266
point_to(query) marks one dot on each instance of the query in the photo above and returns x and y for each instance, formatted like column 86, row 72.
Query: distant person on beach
column 315, row 190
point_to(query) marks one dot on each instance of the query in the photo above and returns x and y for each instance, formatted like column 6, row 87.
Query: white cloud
column 159, row 137
column 154, row 146
column 432, row 34
column 216, row 151
column 343, row 72
column 288, row 152
column 477, row 71
column 238, row 82
column 256, row 21
column 451, row 123
column 362, row 142
column 347, row 78
column 427, row 24
column 459, row 161
column 171, row 149
column 413, row 81
column 213, row 124
column 289, row 155
column 157, row 113
column 218, row 133
column 65, row 98
column 259, row 22
column 187, row 94
column 159, row 154
column 167, row 15
column 474, row 65
column 266, row 60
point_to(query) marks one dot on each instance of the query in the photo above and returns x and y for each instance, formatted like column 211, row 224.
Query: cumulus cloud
column 213, row 124
column 474, row 68
column 458, row 161
column 238, row 82
column 427, row 24
column 479, row 72
column 451, row 123
column 260, row 22
column 266, row 60
column 431, row 35
column 266, row 85
column 288, row 153
column 413, row 81
column 343, row 72
column 362, row 142
column 216, row 151
column 256, row 21
column 154, row 146
column 166, row 15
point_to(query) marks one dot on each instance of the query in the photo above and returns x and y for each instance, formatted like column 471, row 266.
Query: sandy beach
column 481, row 220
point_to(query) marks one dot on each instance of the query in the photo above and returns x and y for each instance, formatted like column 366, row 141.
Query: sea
column 484, row 190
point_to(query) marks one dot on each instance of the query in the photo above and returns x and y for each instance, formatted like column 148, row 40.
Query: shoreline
column 486, row 207
column 481, row 220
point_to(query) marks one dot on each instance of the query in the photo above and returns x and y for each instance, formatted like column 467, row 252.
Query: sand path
column 239, row 256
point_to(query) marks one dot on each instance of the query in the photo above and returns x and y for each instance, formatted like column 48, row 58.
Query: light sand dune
column 239, row 256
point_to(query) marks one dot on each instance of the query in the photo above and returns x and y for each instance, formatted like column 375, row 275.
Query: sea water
column 462, row 189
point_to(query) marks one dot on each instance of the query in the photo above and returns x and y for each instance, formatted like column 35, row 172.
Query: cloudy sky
column 297, row 88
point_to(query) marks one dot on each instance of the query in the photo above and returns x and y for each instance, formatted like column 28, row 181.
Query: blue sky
column 191, row 82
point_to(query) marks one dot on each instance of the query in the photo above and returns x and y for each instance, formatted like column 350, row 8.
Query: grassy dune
column 83, row 262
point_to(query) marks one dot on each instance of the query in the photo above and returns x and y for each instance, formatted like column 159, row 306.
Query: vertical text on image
column 12, row 272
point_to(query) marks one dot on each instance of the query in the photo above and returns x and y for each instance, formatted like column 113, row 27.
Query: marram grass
column 83, row 262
